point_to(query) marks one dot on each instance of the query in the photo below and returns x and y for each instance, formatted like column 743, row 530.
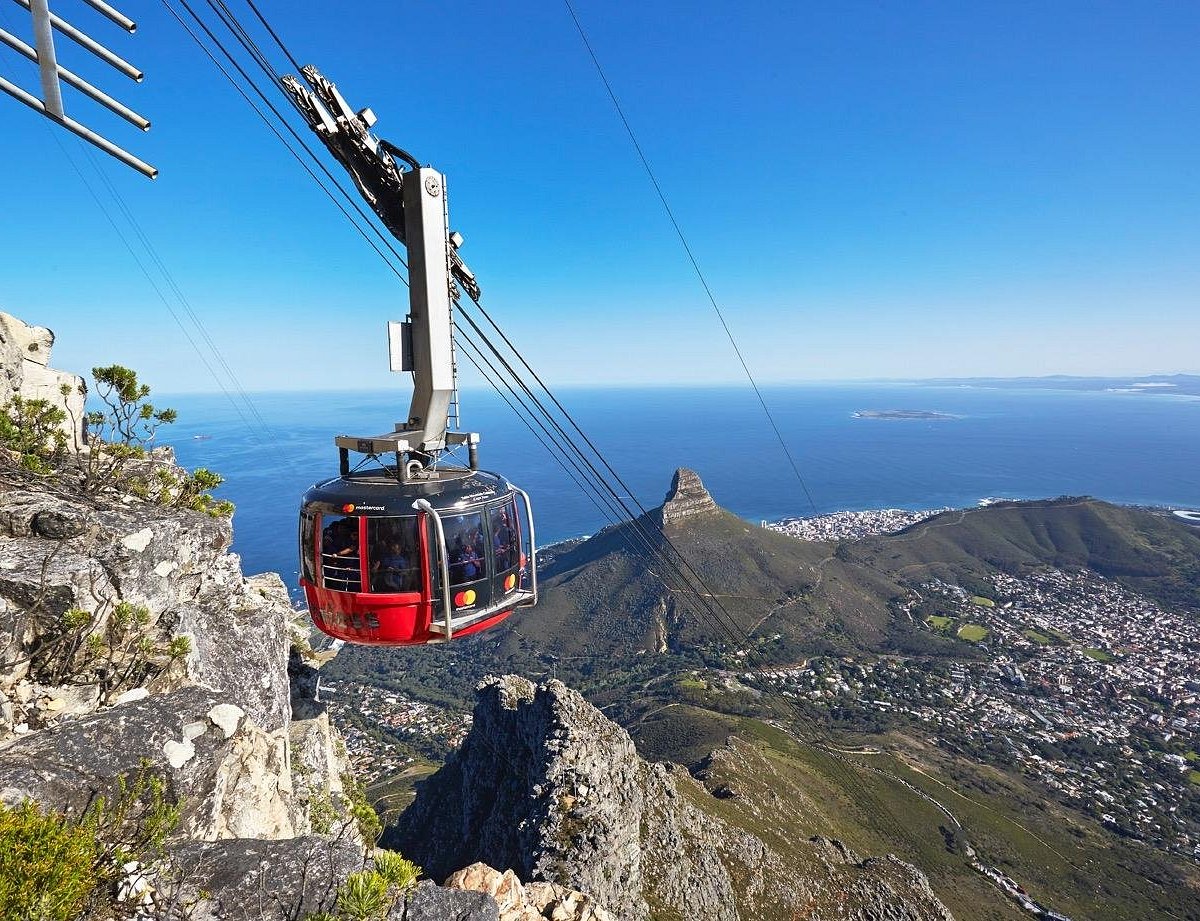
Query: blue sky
column 873, row 189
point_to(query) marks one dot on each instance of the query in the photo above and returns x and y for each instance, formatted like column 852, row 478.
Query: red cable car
column 375, row 556
column 405, row 549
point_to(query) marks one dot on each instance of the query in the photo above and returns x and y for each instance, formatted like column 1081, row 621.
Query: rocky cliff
column 152, row 692
column 547, row 786
column 687, row 499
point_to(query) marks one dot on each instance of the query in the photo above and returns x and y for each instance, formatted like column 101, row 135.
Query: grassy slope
column 601, row 606
column 787, row 791
column 823, row 596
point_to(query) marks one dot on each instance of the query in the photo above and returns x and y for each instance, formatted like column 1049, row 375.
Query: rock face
column 687, row 498
column 25, row 371
column 543, row 785
column 546, row 786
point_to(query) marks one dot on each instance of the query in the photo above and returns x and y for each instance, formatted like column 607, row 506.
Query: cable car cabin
column 375, row 554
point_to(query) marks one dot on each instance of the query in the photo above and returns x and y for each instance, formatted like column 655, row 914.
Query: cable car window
column 341, row 564
column 505, row 537
column 394, row 554
column 465, row 547
column 307, row 526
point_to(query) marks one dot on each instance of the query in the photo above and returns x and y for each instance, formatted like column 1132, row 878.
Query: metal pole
column 532, row 542
column 115, row 15
column 447, row 608
column 78, row 82
column 87, row 134
column 47, row 63
column 89, row 43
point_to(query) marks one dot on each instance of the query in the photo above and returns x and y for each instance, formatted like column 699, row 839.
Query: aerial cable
column 632, row 518
column 599, row 454
column 545, row 441
column 265, row 428
column 274, row 35
column 246, row 40
column 251, row 47
column 691, row 257
column 614, row 515
column 732, row 626
column 241, row 92
column 154, row 284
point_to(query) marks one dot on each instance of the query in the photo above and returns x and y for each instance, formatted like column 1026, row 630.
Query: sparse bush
column 47, row 864
column 55, row 867
column 363, row 896
column 360, row 810
column 124, row 653
column 121, row 438
column 32, row 430
column 321, row 813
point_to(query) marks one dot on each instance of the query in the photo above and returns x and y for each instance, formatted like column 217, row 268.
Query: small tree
column 32, row 430
column 121, row 437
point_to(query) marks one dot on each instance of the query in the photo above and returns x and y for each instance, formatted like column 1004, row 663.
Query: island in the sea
column 903, row 414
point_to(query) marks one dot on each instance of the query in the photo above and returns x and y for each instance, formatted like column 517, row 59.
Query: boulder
column 229, row 776
column 428, row 902
column 532, row 902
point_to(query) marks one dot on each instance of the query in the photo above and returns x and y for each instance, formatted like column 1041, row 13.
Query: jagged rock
column 512, row 796
column 173, row 562
column 236, row 786
column 547, row 787
column 25, row 371
column 517, row 902
column 687, row 498
column 247, row 880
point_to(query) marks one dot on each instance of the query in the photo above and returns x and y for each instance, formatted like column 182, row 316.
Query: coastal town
column 1082, row 685
column 851, row 525
column 385, row 731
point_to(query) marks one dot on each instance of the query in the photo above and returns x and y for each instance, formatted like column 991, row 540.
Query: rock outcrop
column 517, row 901
column 686, row 499
column 25, row 371
column 545, row 786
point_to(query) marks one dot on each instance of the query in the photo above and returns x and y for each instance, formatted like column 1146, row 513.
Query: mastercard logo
column 510, row 582
column 465, row 599
column 347, row 508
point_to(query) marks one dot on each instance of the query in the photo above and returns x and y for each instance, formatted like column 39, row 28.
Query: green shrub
column 398, row 871
column 32, row 429
column 47, row 865
column 363, row 896
column 56, row 867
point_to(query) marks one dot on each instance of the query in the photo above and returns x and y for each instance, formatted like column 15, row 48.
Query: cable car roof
column 379, row 492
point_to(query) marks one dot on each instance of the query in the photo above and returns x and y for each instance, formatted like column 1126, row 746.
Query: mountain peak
column 687, row 498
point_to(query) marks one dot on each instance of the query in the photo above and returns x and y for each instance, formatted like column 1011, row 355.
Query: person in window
column 472, row 562
column 392, row 568
column 502, row 542
column 349, row 538
column 457, row 555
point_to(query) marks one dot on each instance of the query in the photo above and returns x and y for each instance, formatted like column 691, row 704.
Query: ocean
column 1137, row 448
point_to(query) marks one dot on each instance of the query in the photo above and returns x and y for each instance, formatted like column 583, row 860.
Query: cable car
column 404, row 548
